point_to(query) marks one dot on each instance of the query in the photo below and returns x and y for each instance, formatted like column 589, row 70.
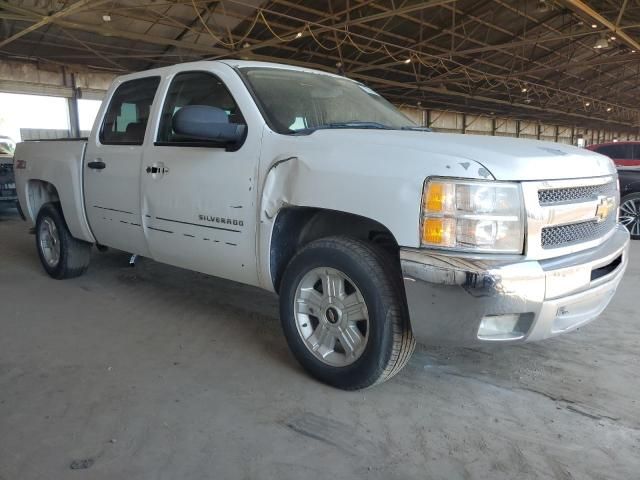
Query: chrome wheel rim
column 331, row 316
column 630, row 216
column 49, row 242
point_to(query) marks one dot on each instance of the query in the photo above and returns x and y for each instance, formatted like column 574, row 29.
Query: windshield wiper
column 336, row 125
column 416, row 128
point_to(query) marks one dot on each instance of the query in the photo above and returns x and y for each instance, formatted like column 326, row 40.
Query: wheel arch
column 294, row 227
column 631, row 188
column 39, row 193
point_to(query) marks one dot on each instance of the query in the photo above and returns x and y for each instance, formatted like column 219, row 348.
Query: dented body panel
column 325, row 170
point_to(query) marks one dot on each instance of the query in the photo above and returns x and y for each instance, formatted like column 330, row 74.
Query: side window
column 613, row 151
column 195, row 88
column 126, row 119
column 299, row 124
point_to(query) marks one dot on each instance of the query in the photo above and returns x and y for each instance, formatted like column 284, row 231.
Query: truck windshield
column 298, row 102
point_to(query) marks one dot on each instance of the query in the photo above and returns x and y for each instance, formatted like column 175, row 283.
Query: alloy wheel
column 331, row 316
column 49, row 242
column 630, row 215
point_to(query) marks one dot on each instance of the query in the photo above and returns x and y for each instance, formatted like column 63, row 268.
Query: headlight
column 468, row 215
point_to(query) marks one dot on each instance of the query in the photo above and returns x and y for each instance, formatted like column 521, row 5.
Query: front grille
column 566, row 235
column 575, row 194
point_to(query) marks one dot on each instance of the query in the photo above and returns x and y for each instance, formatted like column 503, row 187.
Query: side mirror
column 202, row 122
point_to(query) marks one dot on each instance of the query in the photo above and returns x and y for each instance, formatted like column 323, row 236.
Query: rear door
column 112, row 167
column 198, row 201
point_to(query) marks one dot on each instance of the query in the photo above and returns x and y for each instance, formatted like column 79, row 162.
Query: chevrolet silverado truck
column 374, row 231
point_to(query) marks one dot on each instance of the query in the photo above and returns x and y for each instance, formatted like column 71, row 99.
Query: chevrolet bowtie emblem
column 605, row 207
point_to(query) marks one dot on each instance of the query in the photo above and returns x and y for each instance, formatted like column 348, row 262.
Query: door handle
column 157, row 169
column 97, row 165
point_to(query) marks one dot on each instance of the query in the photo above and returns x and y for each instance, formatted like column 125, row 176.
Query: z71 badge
column 225, row 221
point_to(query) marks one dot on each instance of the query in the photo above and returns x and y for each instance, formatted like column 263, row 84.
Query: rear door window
column 126, row 119
column 621, row 151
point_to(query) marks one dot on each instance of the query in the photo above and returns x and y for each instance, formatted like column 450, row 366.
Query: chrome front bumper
column 449, row 295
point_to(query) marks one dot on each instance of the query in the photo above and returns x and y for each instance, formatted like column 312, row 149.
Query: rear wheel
column 61, row 255
column 343, row 313
column 630, row 214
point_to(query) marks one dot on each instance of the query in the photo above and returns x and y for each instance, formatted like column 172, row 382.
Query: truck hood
column 504, row 158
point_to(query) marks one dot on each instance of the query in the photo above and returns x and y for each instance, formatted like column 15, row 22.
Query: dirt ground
column 154, row 372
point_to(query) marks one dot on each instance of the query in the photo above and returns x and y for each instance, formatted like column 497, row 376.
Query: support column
column 72, row 104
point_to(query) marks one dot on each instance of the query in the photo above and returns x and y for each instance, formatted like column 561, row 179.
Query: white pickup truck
column 372, row 230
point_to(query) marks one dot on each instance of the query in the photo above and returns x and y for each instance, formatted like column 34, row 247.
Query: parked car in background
column 630, row 200
column 7, row 180
column 622, row 153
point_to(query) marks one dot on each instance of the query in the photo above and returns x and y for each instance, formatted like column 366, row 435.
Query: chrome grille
column 566, row 235
column 583, row 193
column 563, row 215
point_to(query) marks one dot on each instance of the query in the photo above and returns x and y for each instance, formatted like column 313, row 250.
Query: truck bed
column 45, row 164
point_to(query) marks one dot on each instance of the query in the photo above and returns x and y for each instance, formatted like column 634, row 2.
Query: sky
column 36, row 111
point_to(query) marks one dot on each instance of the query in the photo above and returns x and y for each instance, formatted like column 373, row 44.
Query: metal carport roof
column 564, row 61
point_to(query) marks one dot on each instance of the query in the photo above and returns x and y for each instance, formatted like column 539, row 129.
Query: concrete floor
column 156, row 372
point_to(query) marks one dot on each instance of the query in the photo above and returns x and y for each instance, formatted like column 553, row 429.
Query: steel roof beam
column 46, row 20
column 582, row 8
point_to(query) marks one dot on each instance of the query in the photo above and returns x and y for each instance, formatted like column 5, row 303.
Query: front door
column 198, row 200
column 112, row 168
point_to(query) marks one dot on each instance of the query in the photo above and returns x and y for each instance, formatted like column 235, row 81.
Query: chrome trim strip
column 571, row 212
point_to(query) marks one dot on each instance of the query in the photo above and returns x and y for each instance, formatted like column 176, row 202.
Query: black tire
column 20, row 212
column 634, row 222
column 74, row 254
column 390, row 340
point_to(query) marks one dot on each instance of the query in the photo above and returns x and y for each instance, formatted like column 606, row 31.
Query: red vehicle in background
column 623, row 154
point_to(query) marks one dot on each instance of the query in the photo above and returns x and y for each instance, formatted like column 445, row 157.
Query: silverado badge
column 226, row 221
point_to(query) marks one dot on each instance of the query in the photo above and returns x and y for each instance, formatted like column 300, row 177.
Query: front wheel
column 343, row 313
column 630, row 214
column 61, row 255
